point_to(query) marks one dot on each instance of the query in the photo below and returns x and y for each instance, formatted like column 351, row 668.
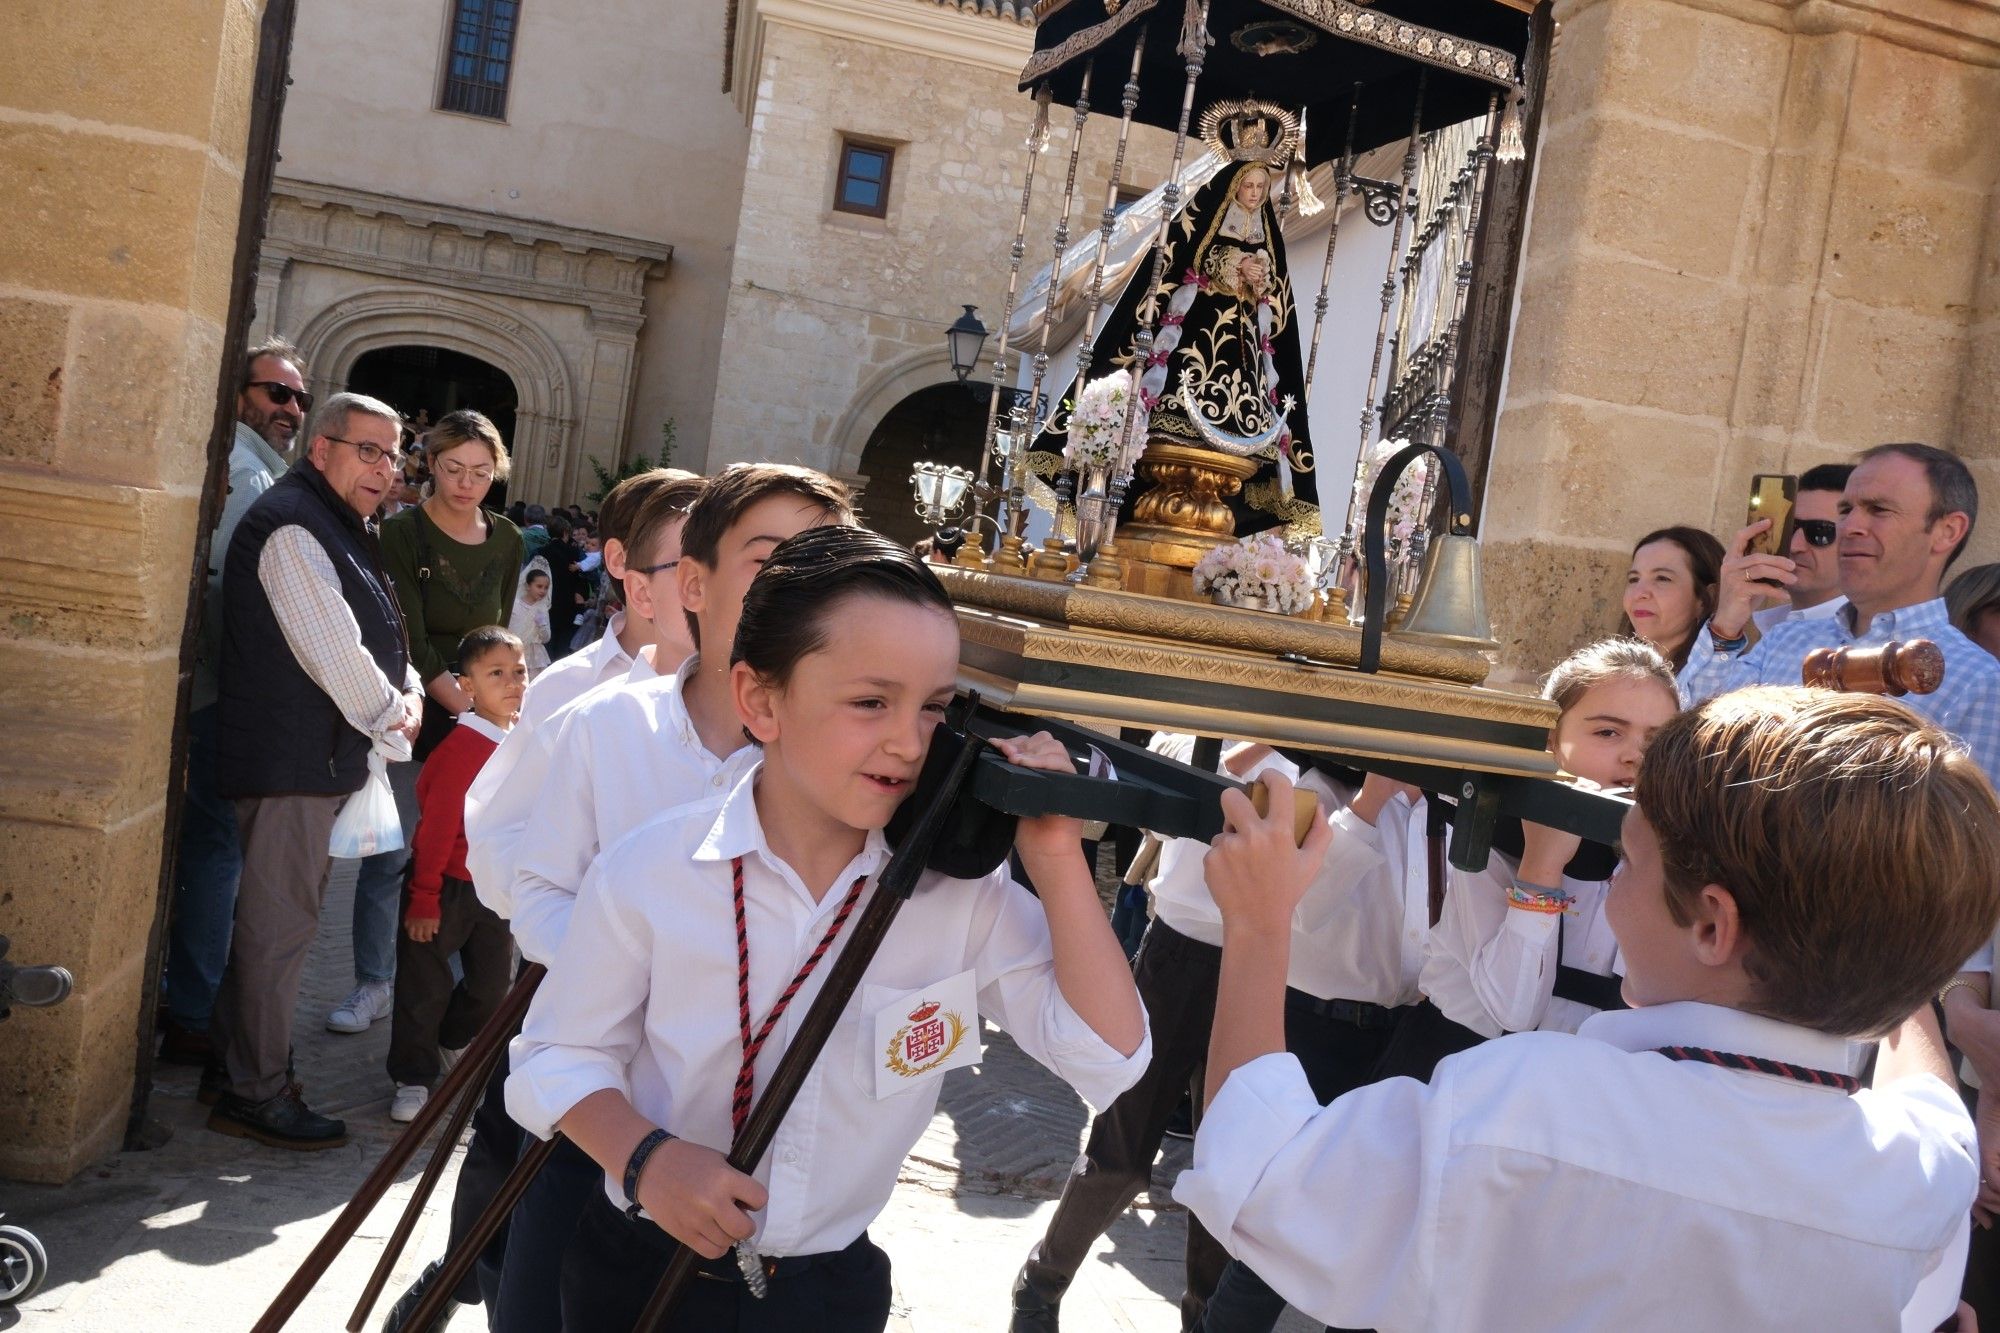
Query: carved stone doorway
column 424, row 383
column 945, row 424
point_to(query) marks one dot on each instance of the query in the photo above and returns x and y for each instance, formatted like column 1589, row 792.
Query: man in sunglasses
column 1815, row 562
column 271, row 405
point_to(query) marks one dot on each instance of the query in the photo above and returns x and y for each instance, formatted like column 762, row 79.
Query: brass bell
column 1450, row 605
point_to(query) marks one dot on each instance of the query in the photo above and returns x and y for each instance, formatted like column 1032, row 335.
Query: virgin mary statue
column 1224, row 373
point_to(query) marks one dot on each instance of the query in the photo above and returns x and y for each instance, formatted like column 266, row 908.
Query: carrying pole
column 469, row 1073
column 892, row 890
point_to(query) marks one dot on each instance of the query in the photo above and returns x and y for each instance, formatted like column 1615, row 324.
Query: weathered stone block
column 1918, row 113
column 1895, row 239
column 1672, row 62
column 1613, row 175
column 1596, row 327
column 1565, row 470
column 90, row 742
column 1549, row 598
column 125, row 382
column 1884, row 375
column 80, row 60
column 66, row 1086
column 34, row 338
column 99, row 216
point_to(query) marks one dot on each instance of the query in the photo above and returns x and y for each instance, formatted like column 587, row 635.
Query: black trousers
column 613, row 1264
column 1338, row 1042
column 432, row 1009
column 496, row 1145
column 1423, row 1038
column 1340, row 1045
column 1176, row 977
column 538, row 1233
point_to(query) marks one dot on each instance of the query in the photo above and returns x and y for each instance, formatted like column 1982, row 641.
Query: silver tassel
column 1513, row 143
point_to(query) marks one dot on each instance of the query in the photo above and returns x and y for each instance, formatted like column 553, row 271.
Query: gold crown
column 1250, row 131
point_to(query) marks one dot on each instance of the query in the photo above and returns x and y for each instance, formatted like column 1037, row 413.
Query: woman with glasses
column 454, row 565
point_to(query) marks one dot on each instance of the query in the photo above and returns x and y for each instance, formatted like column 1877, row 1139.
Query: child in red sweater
column 434, row 1016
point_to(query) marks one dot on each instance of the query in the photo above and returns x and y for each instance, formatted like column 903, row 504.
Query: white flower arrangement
column 1096, row 423
column 1406, row 508
column 1256, row 567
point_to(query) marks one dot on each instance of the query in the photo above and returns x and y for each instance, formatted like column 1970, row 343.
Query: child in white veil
column 530, row 619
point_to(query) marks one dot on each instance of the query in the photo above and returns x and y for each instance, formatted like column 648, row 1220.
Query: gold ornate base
column 1182, row 517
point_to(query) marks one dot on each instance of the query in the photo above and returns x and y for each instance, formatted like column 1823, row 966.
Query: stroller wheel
column 23, row 1264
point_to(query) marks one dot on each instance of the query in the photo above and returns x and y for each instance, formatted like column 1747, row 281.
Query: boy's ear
column 1717, row 932
column 692, row 580
column 756, row 703
column 614, row 558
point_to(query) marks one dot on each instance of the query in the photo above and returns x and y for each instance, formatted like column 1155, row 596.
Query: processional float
column 1182, row 430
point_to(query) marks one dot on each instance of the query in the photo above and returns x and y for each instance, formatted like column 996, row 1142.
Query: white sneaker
column 366, row 1003
column 447, row 1057
column 410, row 1099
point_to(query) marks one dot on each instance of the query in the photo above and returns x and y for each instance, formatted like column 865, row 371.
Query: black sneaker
column 406, row 1304
column 1180, row 1125
column 183, row 1045
column 283, row 1121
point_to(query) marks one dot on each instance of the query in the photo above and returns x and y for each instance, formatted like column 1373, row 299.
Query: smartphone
column 1772, row 495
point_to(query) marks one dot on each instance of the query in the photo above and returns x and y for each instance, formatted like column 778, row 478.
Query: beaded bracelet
column 1537, row 898
column 636, row 1163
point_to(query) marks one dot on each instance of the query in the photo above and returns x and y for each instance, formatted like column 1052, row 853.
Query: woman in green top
column 454, row 563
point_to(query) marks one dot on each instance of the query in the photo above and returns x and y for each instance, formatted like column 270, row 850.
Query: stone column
column 1758, row 234
column 122, row 151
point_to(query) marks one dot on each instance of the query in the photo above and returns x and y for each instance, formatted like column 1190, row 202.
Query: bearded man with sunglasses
column 316, row 675
column 271, row 406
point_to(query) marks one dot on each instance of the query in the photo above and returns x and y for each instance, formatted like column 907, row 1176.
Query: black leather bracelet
column 636, row 1163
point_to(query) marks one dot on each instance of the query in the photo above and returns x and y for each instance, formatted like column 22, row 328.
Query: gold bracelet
column 1951, row 986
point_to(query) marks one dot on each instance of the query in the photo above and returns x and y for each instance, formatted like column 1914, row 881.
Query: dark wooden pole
column 1489, row 314
column 892, row 890
column 467, row 1079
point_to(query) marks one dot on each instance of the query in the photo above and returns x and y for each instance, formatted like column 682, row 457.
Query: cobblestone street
column 200, row 1233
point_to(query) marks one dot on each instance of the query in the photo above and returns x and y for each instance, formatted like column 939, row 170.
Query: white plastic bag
column 368, row 823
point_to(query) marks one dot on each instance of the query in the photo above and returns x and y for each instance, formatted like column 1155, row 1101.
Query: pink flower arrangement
column 1257, row 566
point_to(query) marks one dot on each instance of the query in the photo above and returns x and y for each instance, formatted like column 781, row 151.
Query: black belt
column 776, row 1269
column 1358, row 1012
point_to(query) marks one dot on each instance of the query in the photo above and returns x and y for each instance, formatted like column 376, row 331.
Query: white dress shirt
column 641, row 999
column 501, row 800
column 1367, row 913
column 1562, row 1182
column 1492, row 968
column 608, row 763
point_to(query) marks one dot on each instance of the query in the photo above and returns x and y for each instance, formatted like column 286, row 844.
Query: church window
column 481, row 57
column 863, row 186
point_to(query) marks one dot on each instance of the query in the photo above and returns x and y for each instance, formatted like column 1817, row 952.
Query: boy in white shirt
column 1802, row 869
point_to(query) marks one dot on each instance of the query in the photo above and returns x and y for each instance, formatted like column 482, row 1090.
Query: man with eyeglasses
column 315, row 676
column 271, row 406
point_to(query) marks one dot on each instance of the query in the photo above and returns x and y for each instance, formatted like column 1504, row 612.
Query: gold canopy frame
column 1125, row 659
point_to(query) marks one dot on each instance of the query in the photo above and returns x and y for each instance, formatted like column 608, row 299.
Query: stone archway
column 888, row 387
column 943, row 423
column 544, row 439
